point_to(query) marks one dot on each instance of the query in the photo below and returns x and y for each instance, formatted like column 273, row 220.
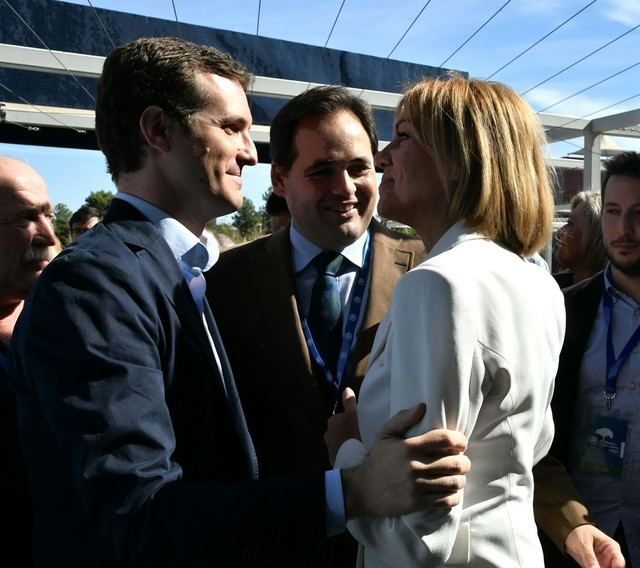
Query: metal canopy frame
column 81, row 123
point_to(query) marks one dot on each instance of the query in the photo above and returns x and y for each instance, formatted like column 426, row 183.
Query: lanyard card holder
column 605, row 446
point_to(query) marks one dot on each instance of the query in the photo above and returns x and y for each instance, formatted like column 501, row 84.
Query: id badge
column 605, row 444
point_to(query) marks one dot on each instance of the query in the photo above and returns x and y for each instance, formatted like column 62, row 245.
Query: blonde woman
column 475, row 330
column 579, row 247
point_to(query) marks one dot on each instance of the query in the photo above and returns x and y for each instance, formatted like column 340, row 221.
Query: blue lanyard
column 349, row 331
column 614, row 364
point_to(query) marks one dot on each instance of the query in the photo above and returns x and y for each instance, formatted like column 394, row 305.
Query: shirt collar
column 304, row 251
column 195, row 254
column 610, row 288
column 608, row 281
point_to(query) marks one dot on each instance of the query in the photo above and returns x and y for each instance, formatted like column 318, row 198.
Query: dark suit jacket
column 15, row 498
column 127, row 434
column 581, row 302
column 556, row 508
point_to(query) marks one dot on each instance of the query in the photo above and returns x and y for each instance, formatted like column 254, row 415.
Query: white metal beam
column 559, row 121
column 38, row 115
column 80, row 119
column 288, row 88
column 34, row 59
column 612, row 122
column 560, row 134
column 592, row 162
column 60, row 62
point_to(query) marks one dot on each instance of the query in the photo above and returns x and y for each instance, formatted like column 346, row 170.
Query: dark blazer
column 556, row 509
column 15, row 497
column 133, row 454
column 564, row 279
column 581, row 303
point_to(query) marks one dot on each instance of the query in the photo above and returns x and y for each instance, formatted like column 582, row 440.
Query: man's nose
column 629, row 222
column 45, row 235
column 248, row 153
column 345, row 184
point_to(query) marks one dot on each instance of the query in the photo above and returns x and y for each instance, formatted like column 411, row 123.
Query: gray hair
column 594, row 255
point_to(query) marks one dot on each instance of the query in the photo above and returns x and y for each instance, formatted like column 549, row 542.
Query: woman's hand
column 341, row 427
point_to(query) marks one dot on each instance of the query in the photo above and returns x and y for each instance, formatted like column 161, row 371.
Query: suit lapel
column 231, row 391
column 391, row 259
column 277, row 299
column 145, row 240
column 275, row 292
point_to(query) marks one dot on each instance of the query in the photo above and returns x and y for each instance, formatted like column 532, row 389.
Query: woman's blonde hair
column 594, row 256
column 488, row 148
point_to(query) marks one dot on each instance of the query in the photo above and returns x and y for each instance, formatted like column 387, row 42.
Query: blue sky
column 374, row 27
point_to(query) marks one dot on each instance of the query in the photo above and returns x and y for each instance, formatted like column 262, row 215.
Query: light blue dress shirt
column 611, row 499
column 304, row 251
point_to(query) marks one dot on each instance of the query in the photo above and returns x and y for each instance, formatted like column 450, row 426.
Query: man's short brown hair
column 316, row 102
column 152, row 71
column 625, row 164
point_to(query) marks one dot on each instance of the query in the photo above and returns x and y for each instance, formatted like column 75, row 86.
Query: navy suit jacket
column 133, row 455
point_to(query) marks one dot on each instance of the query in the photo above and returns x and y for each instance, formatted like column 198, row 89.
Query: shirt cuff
column 335, row 502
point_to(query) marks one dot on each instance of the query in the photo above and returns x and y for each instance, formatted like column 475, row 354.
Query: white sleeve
column 432, row 356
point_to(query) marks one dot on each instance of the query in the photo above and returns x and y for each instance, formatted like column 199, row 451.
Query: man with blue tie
column 316, row 291
column 133, row 432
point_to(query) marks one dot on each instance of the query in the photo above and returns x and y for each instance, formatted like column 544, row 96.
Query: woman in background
column 579, row 246
column 474, row 331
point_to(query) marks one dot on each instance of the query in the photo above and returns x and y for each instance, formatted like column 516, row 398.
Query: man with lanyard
column 596, row 404
column 322, row 147
column 26, row 235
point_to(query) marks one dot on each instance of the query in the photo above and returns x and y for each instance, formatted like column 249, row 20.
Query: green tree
column 223, row 229
column 61, row 223
column 247, row 220
column 405, row 230
column 265, row 218
column 99, row 199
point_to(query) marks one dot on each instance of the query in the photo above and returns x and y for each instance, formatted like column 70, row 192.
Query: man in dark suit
column 322, row 146
column 133, row 433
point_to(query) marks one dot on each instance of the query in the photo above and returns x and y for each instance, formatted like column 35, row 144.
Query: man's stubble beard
column 632, row 269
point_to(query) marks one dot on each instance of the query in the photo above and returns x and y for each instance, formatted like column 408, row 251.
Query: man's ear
column 278, row 175
column 154, row 127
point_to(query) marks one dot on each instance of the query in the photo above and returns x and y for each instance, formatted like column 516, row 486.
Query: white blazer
column 475, row 332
